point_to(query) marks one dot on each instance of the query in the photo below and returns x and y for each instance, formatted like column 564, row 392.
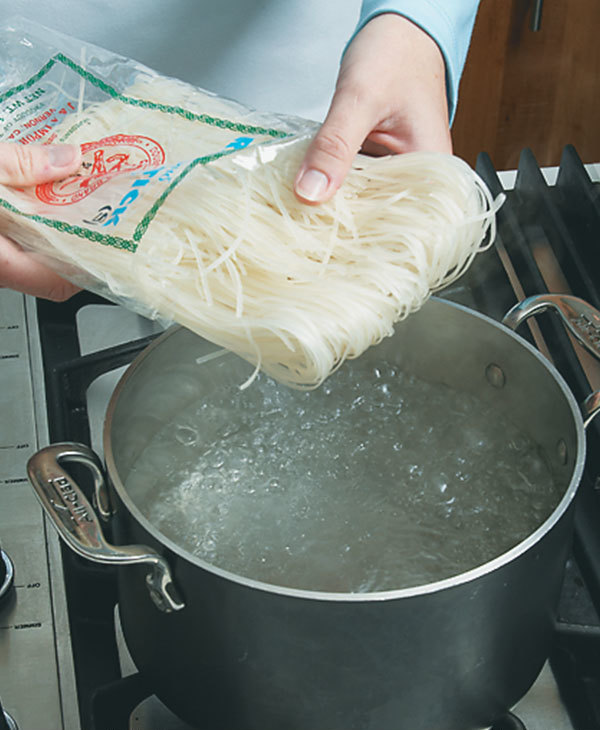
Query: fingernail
column 61, row 155
column 312, row 185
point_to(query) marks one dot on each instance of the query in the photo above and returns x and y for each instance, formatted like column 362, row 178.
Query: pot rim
column 414, row 591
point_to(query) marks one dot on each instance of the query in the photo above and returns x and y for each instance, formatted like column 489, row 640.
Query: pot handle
column 76, row 522
column 582, row 320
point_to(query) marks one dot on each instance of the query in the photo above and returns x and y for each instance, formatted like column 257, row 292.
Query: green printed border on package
column 130, row 244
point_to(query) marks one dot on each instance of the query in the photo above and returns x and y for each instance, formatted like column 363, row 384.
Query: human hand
column 21, row 166
column 390, row 97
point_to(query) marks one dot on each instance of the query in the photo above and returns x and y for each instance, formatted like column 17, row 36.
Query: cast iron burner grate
column 566, row 218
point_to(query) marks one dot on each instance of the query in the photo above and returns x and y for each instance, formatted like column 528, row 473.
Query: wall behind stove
column 525, row 88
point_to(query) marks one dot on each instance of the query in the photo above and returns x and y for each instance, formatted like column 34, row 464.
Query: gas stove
column 63, row 662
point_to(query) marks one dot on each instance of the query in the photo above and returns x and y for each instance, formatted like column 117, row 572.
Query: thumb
column 330, row 154
column 23, row 165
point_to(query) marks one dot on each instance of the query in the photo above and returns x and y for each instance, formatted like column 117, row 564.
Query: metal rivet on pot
column 562, row 451
column 495, row 375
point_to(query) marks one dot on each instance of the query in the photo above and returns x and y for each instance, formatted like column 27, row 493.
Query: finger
column 330, row 154
column 22, row 271
column 22, row 165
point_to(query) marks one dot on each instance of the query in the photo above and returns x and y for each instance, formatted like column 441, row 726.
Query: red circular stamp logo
column 102, row 160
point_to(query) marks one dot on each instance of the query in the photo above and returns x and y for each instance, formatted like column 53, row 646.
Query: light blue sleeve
column 448, row 22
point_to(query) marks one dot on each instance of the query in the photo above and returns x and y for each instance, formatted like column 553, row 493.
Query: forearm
column 448, row 22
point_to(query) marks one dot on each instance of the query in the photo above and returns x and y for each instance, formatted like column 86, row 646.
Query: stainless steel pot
column 226, row 652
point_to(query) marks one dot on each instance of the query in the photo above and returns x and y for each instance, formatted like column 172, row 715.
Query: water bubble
column 186, row 435
column 209, row 544
column 517, row 443
column 217, row 459
column 274, row 484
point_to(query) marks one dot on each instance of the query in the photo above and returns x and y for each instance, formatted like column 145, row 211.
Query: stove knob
column 7, row 575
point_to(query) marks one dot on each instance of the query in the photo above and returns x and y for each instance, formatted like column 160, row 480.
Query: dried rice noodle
column 294, row 289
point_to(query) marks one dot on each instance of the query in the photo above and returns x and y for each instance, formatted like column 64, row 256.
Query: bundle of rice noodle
column 231, row 253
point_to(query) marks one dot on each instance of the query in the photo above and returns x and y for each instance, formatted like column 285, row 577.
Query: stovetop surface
column 34, row 627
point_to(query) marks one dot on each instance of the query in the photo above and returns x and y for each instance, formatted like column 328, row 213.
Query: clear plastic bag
column 145, row 139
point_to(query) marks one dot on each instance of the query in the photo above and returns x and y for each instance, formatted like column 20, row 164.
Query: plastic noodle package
column 183, row 210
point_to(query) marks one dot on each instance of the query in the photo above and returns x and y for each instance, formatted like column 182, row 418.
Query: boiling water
column 375, row 481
